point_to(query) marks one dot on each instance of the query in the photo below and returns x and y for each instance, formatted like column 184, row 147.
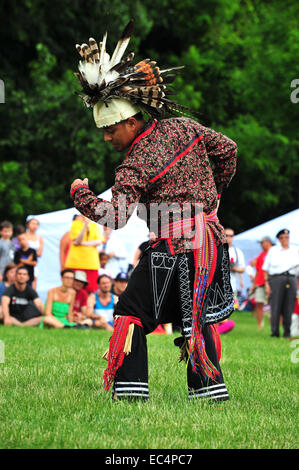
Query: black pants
column 282, row 302
column 137, row 300
column 31, row 311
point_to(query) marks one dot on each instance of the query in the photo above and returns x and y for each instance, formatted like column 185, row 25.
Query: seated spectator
column 102, row 303
column 21, row 305
column 7, row 247
column 81, row 297
column 9, row 277
column 60, row 302
column 26, row 256
column 119, row 284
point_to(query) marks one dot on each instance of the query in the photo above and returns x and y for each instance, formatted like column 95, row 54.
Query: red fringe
column 217, row 340
column 116, row 348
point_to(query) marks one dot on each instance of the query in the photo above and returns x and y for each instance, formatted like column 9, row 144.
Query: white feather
column 90, row 71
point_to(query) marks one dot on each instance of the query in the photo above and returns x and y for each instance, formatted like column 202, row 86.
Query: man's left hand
column 77, row 182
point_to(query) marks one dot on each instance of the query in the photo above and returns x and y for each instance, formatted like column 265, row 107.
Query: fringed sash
column 205, row 258
column 120, row 344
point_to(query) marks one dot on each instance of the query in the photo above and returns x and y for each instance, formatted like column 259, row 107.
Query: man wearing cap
column 120, row 283
column 280, row 270
column 183, row 277
column 102, row 302
column 258, row 285
column 80, row 304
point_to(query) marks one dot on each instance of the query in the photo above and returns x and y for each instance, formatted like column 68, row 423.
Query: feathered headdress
column 114, row 82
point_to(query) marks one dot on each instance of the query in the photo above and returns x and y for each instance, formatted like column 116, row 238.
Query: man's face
column 22, row 239
column 229, row 236
column 105, row 285
column 78, row 285
column 284, row 239
column 6, row 233
column 120, row 135
column 266, row 245
column 22, row 276
column 120, row 286
column 103, row 260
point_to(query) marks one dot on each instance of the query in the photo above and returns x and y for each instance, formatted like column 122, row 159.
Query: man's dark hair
column 139, row 116
column 5, row 224
column 19, row 268
column 19, row 229
column 103, row 275
column 66, row 270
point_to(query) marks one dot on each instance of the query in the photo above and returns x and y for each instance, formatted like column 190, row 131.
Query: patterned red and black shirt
column 175, row 162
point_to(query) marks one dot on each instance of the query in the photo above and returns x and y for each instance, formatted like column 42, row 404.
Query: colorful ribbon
column 205, row 258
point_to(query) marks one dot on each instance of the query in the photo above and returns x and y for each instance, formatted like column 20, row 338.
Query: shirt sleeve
column 8, row 291
column 223, row 153
column 32, row 294
column 130, row 182
column 267, row 261
column 241, row 259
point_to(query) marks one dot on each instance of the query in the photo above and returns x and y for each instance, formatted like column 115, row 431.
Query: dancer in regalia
column 174, row 171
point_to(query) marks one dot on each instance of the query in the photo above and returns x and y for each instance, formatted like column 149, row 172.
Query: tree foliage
column 240, row 58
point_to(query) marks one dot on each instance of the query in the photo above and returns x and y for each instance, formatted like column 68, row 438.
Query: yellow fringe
column 184, row 354
column 128, row 342
column 105, row 355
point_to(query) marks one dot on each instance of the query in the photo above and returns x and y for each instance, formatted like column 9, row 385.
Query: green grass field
column 51, row 394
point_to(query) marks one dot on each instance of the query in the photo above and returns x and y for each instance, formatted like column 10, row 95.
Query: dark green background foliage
column 240, row 57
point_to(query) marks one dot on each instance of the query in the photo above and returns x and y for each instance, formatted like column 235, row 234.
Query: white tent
column 248, row 241
column 53, row 226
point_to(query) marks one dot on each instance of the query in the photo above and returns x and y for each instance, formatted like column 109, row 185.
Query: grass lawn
column 51, row 394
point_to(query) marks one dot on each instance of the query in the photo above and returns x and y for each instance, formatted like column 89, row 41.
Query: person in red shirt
column 80, row 303
column 258, row 286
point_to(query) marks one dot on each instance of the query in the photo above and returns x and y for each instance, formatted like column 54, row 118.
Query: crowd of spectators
column 92, row 279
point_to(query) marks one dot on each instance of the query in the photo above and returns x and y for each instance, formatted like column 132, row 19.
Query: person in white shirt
column 115, row 249
column 237, row 262
column 280, row 268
